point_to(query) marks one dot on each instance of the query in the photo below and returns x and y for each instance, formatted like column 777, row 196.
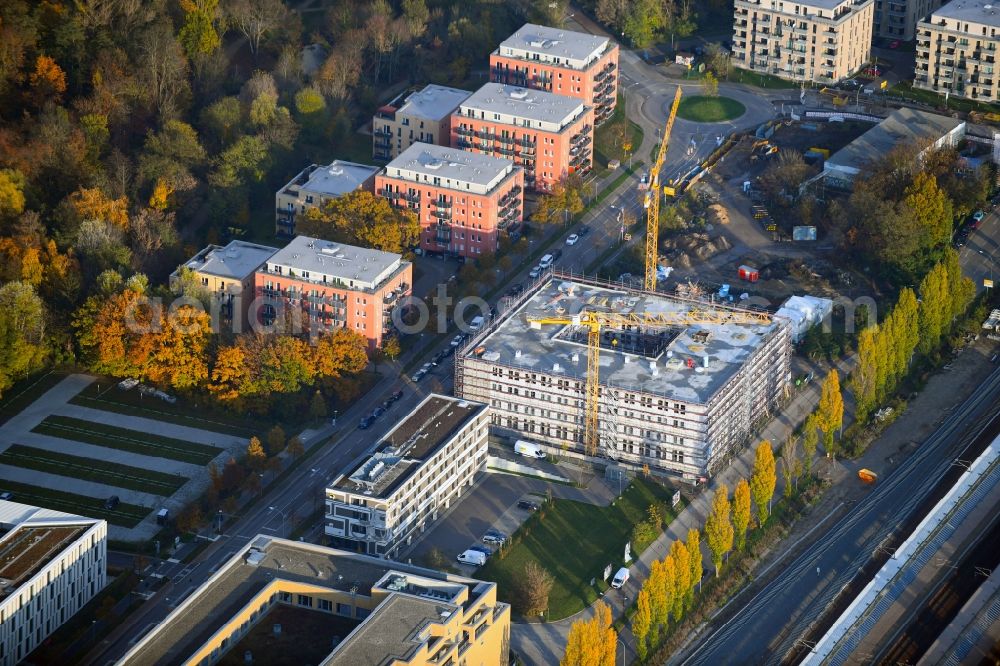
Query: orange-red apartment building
column 561, row 62
column 463, row 200
column 333, row 285
column 548, row 135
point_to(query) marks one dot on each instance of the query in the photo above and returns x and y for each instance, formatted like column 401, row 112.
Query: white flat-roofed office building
column 315, row 185
column 416, row 471
column 548, row 135
column 422, row 116
column 680, row 399
column 51, row 565
column 957, row 51
column 463, row 200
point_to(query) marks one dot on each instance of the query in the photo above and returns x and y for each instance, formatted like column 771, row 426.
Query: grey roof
column 237, row 581
column 555, row 42
column 345, row 262
column 986, row 12
column 236, row 261
column 901, row 126
column 339, row 177
column 434, row 102
column 515, row 343
column 446, row 163
column 536, row 105
column 391, row 632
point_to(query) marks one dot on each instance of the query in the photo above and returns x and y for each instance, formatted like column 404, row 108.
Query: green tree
column 789, row 463
column 741, row 513
column 697, row 565
column 930, row 208
column 222, row 120
column 710, row 85
column 642, row 622
column 961, row 290
column 295, row 447
column 719, row 527
column 23, row 346
column 908, row 312
column 245, row 161
column 643, row 20
column 830, row 411
column 810, row 440
column 198, row 35
column 864, row 378
column 171, row 155
column 276, row 440
column 317, row 407
column 763, row 480
column 309, row 102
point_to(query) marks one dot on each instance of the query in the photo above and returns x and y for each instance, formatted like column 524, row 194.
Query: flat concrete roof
column 434, row 102
column 338, row 177
column 414, row 440
column 555, row 42
column 524, row 103
column 562, row 349
column 213, row 604
column 235, row 261
column 985, row 12
column 337, row 260
column 429, row 161
column 901, row 126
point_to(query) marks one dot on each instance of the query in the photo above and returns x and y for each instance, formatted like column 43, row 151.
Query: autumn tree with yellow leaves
column 361, row 218
column 741, row 513
column 592, row 642
column 763, row 479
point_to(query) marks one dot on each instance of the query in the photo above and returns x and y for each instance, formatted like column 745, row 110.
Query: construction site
column 642, row 378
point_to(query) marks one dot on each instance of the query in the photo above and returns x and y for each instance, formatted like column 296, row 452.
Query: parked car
column 527, row 506
column 977, row 219
column 7, row 496
column 535, row 272
column 620, row 578
column 494, row 538
column 516, row 290
column 457, row 340
column 379, row 411
column 473, row 557
column 365, row 422
column 556, row 255
column 439, row 357
column 481, row 549
column 572, row 239
column 582, row 230
column 112, row 502
column 396, row 396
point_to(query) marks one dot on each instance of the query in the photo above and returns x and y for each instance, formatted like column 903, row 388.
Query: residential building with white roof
column 957, row 51
column 422, row 116
column 315, row 185
column 464, row 200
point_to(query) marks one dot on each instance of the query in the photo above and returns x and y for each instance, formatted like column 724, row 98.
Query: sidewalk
column 542, row 644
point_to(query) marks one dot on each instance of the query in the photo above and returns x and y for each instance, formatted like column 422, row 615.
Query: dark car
column 527, row 506
column 582, row 230
column 396, row 396
column 366, row 422
column 481, row 549
column 516, row 290
column 438, row 357
column 7, row 496
column 112, row 502
column 556, row 254
column 378, row 412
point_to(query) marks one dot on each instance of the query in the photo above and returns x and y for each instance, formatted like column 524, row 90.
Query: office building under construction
column 681, row 383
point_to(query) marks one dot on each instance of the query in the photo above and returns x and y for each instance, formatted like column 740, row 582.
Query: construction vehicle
column 653, row 200
column 594, row 322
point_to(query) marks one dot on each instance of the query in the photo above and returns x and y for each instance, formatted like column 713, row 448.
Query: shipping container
column 749, row 273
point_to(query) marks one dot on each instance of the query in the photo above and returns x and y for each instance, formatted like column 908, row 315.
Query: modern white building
column 414, row 474
column 900, row 127
column 804, row 312
column 679, row 399
column 315, row 185
column 51, row 565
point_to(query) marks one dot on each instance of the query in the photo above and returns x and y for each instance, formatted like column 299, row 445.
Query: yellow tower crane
column 595, row 321
column 653, row 199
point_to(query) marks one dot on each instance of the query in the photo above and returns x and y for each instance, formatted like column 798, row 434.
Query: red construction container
column 749, row 273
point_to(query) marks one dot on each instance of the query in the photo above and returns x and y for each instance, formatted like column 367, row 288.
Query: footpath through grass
column 126, row 515
column 99, row 434
column 89, row 469
column 704, row 109
column 101, row 395
column 574, row 541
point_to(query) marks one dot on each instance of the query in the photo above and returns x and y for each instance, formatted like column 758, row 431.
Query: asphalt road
column 767, row 626
column 981, row 251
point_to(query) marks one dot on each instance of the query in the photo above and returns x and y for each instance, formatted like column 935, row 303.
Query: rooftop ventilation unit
column 336, row 171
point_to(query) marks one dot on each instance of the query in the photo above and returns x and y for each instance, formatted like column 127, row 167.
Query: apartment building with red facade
column 331, row 285
column 463, row 200
column 561, row 62
column 550, row 136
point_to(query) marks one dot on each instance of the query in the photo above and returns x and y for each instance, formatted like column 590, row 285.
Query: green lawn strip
column 759, row 80
column 574, row 543
column 606, row 137
column 705, row 109
column 126, row 515
column 99, row 434
column 905, row 90
column 25, row 392
column 132, row 403
column 89, row 469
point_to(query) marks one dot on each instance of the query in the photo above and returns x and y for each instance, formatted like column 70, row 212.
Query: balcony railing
column 463, row 131
column 442, row 203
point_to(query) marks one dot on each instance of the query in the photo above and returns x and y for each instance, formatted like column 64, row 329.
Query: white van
column 476, row 323
column 473, row 557
column 620, row 578
column 529, row 449
column 546, row 261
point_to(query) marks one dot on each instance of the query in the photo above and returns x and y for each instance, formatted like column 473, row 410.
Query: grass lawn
column 906, row 90
column 146, row 444
column 126, row 515
column 25, row 392
column 608, row 138
column 104, row 395
column 89, row 469
column 758, row 79
column 574, row 542
column 704, row 109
